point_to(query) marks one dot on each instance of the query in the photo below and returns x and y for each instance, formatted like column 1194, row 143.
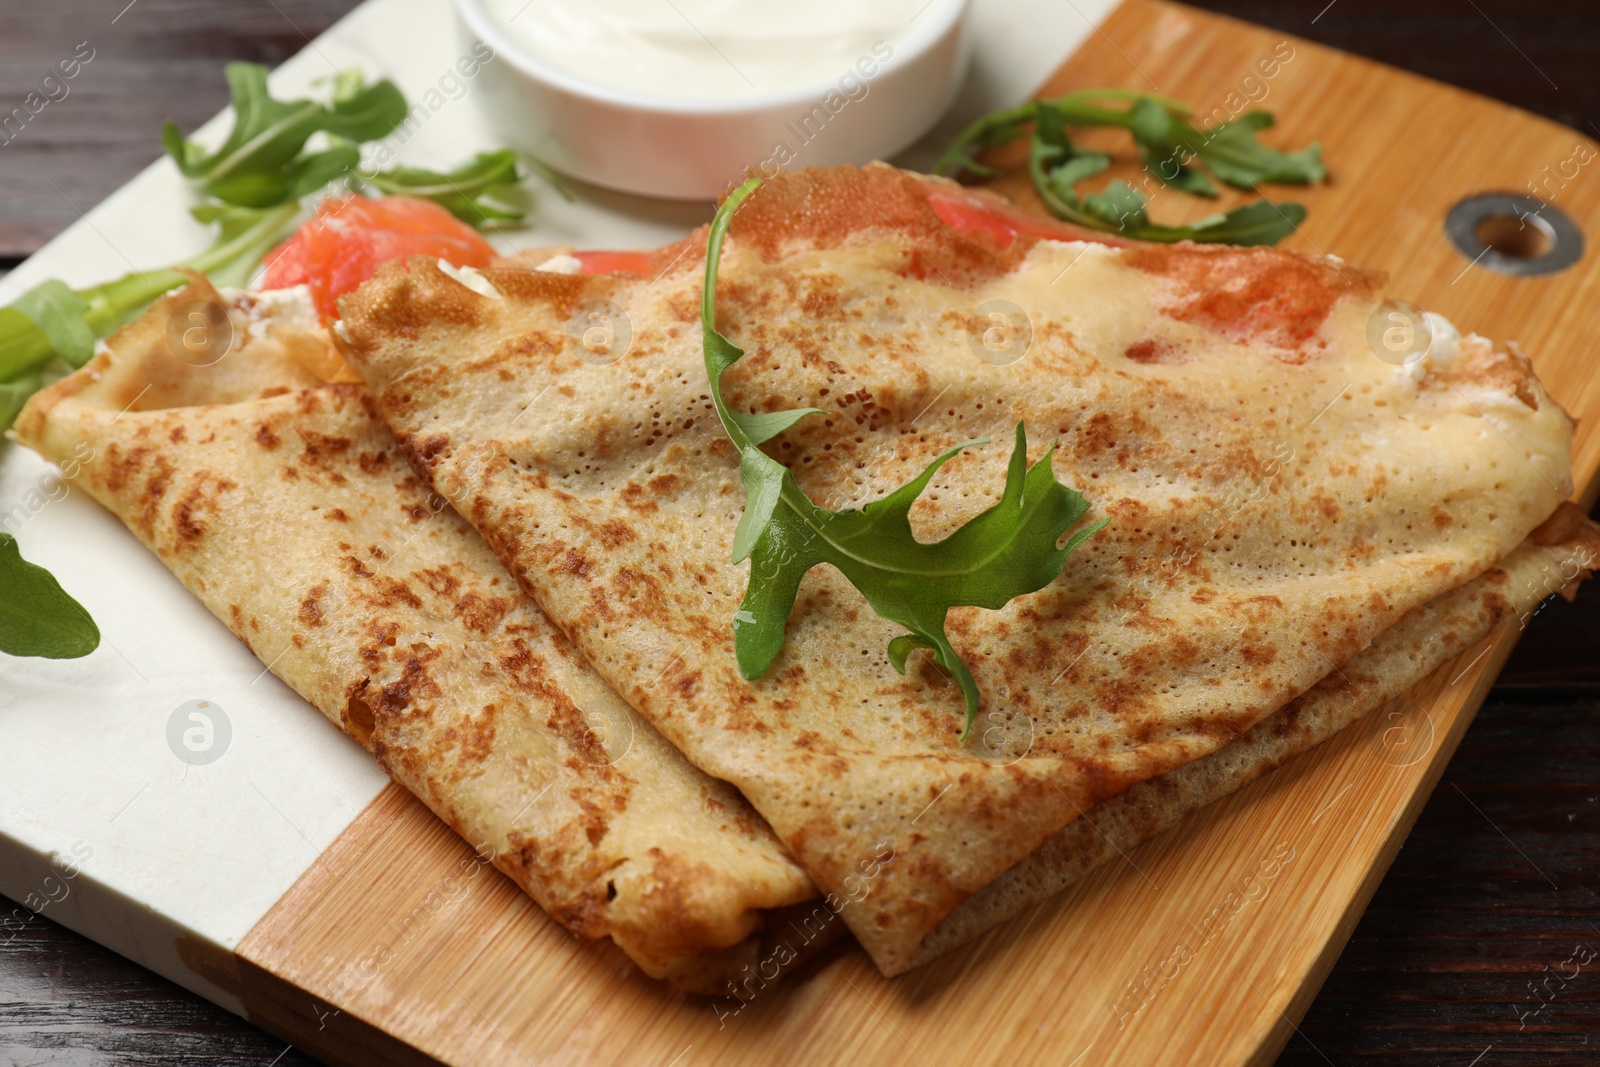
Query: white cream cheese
column 261, row 308
column 561, row 264
column 1444, row 348
column 471, row 278
column 710, row 49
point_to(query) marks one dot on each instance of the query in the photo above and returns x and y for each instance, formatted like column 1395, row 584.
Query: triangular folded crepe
column 1279, row 496
column 282, row 502
column 1557, row 556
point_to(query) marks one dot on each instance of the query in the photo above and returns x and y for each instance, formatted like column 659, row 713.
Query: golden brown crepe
column 1279, row 497
column 1554, row 559
column 282, row 502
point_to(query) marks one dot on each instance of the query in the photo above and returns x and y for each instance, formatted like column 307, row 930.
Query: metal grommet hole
column 1518, row 238
column 1511, row 234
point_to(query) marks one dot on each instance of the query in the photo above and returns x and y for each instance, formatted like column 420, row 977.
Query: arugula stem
column 1076, row 109
column 1177, row 107
column 273, row 227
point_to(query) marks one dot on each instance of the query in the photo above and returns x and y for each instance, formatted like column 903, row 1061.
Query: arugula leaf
column 260, row 164
column 37, row 617
column 1261, row 223
column 1065, row 163
column 1176, row 151
column 1119, row 205
column 15, row 394
column 990, row 131
column 59, row 313
column 1157, row 135
column 1008, row 550
column 1057, row 166
column 1064, row 176
column 1007, row 125
column 468, row 192
column 1235, row 156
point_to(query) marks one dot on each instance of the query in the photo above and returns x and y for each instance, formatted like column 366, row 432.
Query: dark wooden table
column 1460, row 958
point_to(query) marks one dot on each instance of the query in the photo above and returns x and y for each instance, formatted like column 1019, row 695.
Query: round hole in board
column 1518, row 237
column 1510, row 233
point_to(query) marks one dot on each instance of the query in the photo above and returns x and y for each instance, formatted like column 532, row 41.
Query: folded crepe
column 1279, row 495
column 268, row 487
column 1555, row 558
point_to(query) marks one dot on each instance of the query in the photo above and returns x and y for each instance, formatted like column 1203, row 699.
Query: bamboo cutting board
column 398, row 946
column 1214, row 937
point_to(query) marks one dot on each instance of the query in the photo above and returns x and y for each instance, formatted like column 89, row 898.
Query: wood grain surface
column 1497, row 883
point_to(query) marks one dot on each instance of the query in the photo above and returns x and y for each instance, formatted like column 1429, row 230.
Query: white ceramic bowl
column 686, row 149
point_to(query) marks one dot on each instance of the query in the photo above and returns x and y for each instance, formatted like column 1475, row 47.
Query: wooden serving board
column 397, row 946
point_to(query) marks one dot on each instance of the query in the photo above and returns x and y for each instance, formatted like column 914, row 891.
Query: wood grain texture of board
column 1202, row 946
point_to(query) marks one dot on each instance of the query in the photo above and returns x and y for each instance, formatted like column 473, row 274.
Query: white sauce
column 1444, row 348
column 707, row 49
column 561, row 264
column 261, row 308
column 471, row 278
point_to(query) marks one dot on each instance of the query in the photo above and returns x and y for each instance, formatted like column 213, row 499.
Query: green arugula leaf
column 311, row 172
column 1064, row 177
column 258, row 176
column 260, row 164
column 1057, row 166
column 1157, row 135
column 994, row 129
column 1234, row 155
column 1172, row 148
column 1120, row 206
column 37, row 617
column 468, row 192
column 1009, row 124
column 1008, row 550
column 1261, row 223
column 59, row 313
column 1064, row 163
column 14, row 394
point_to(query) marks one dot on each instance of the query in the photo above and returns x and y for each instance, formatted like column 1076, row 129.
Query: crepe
column 281, row 502
column 1560, row 554
column 1279, row 496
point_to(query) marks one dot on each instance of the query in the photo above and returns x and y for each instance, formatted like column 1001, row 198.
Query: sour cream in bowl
column 680, row 98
